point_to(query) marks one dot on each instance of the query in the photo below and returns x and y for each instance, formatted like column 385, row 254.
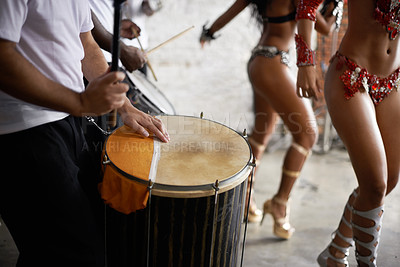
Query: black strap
column 280, row 19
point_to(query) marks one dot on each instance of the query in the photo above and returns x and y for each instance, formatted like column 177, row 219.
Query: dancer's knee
column 373, row 191
column 393, row 179
column 306, row 140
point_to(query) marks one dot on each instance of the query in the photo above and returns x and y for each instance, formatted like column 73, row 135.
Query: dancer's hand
column 307, row 83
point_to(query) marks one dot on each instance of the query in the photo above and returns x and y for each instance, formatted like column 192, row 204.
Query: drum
column 145, row 96
column 179, row 203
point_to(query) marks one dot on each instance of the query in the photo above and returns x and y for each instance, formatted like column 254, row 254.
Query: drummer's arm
column 22, row 80
column 94, row 65
column 131, row 57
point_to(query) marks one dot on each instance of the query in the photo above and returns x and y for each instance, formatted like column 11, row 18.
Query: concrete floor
column 316, row 206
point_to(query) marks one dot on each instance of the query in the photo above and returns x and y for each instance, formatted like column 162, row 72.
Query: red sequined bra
column 387, row 12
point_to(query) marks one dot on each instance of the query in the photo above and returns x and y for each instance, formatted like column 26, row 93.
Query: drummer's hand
column 132, row 58
column 127, row 27
column 141, row 122
column 146, row 8
column 104, row 94
column 307, row 83
column 203, row 42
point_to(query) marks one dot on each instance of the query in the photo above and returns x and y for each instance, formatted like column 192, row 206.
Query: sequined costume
column 357, row 78
column 387, row 12
column 306, row 9
column 270, row 52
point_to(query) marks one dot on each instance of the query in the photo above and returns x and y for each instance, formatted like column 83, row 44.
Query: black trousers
column 49, row 199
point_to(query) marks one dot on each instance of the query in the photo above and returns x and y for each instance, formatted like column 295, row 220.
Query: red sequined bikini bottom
column 356, row 78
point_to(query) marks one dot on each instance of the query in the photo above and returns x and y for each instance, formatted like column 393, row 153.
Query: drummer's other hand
column 132, row 58
column 104, row 94
column 141, row 122
column 129, row 29
column 146, row 8
column 202, row 43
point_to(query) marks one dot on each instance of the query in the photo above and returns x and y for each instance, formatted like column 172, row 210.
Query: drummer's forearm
column 100, row 34
column 22, row 80
column 93, row 64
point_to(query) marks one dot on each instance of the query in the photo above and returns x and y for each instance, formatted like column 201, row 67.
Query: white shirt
column 104, row 10
column 133, row 11
column 47, row 34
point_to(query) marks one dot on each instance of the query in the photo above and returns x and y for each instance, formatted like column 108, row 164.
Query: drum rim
column 184, row 188
column 162, row 109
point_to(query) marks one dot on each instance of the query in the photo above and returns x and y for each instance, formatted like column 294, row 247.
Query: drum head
column 154, row 100
column 200, row 153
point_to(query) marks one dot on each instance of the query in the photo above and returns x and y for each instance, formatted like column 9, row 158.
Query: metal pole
column 253, row 165
column 112, row 116
column 150, row 187
column 216, row 188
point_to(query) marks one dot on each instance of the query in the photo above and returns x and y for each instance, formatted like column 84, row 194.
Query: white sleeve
column 13, row 14
column 87, row 24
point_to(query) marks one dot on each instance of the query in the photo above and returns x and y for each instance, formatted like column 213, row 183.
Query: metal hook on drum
column 149, row 187
column 216, row 189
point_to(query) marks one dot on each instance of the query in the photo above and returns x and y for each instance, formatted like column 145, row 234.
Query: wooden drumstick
column 169, row 40
column 141, row 47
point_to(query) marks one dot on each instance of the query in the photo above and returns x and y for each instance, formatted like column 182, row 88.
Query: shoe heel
column 266, row 210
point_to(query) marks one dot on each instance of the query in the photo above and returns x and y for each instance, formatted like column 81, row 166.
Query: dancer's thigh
column 356, row 124
column 388, row 116
column 275, row 84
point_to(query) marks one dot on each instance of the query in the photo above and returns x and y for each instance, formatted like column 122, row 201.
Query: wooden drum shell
column 180, row 232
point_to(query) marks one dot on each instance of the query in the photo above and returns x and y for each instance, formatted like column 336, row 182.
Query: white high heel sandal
column 375, row 215
column 323, row 257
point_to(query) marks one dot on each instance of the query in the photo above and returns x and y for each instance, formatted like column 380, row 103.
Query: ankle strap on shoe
column 346, row 239
column 279, row 201
column 375, row 215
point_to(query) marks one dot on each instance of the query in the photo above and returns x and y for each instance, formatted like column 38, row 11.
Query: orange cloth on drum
column 122, row 194
column 133, row 155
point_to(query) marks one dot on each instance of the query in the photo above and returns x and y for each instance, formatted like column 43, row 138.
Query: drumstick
column 169, row 40
column 141, row 47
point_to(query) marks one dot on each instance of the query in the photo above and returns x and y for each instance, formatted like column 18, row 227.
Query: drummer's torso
column 367, row 41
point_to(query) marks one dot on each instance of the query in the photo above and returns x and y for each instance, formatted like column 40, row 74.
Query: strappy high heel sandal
column 255, row 214
column 282, row 227
column 375, row 215
column 323, row 257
